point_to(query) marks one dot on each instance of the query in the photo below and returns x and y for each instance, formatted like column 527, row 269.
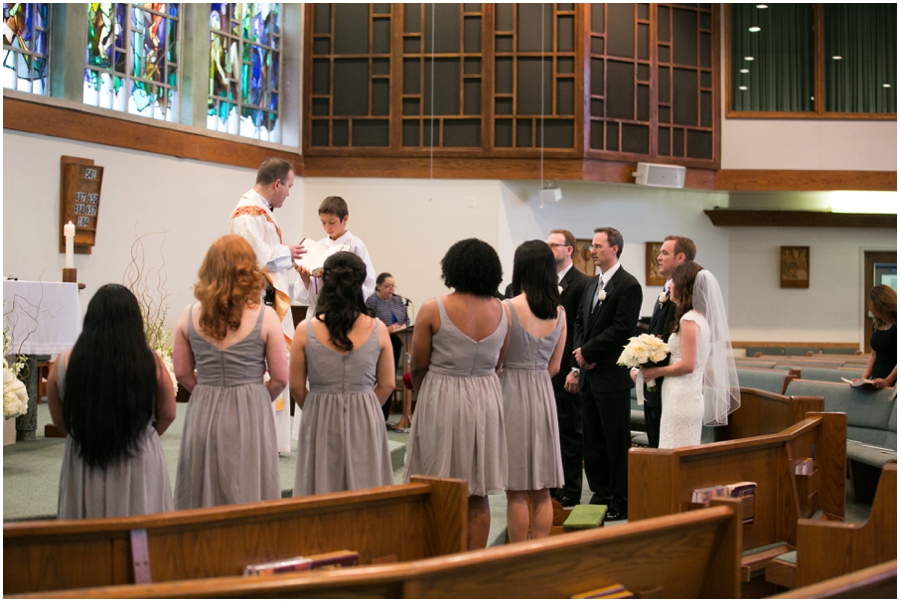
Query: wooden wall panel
column 795, row 179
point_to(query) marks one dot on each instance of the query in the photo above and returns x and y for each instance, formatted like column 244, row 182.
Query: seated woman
column 346, row 354
column 882, row 365
column 537, row 334
column 457, row 348
column 390, row 309
column 229, row 450
column 113, row 397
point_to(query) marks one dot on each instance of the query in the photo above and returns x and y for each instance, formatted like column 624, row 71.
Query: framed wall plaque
column 581, row 257
column 79, row 201
column 794, row 267
column 651, row 252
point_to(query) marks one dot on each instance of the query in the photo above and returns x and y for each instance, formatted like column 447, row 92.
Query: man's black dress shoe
column 613, row 515
column 566, row 501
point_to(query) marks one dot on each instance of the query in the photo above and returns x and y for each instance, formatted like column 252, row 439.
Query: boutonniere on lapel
column 560, row 289
column 663, row 297
column 601, row 296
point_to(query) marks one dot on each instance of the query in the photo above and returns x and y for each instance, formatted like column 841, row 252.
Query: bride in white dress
column 700, row 385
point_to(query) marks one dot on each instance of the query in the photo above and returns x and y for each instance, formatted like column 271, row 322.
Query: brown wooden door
column 871, row 258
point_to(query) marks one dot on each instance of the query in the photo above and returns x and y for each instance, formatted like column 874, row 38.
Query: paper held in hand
column 860, row 382
column 316, row 254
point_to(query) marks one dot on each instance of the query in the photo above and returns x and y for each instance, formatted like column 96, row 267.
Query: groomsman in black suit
column 607, row 318
column 568, row 406
column 675, row 250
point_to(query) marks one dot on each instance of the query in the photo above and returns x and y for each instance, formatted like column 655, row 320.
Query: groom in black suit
column 675, row 250
column 568, row 406
column 607, row 318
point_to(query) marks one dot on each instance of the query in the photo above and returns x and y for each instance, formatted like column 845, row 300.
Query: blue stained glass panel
column 26, row 32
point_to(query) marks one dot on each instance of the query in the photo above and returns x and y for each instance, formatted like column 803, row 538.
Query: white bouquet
column 644, row 351
column 15, row 396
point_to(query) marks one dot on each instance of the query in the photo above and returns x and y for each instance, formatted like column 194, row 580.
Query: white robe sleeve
column 275, row 258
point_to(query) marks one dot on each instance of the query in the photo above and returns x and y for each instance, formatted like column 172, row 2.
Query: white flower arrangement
column 644, row 351
column 15, row 395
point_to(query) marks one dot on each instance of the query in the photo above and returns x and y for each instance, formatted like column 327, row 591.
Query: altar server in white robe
column 252, row 218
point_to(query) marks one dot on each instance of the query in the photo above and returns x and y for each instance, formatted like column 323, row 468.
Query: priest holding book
column 252, row 219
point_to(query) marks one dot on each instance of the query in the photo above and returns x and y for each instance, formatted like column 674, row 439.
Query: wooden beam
column 799, row 219
column 795, row 179
column 73, row 124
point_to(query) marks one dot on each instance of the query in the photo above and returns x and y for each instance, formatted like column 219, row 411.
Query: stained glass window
column 244, row 71
column 26, row 37
column 132, row 59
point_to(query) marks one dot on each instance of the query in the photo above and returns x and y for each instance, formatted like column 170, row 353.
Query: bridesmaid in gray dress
column 457, row 347
column 229, row 451
column 113, row 397
column 346, row 354
column 537, row 334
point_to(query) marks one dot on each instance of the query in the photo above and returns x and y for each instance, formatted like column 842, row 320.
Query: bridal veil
column 721, row 392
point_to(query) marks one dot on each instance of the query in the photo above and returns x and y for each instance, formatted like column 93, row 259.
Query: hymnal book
column 742, row 489
column 316, row 254
column 867, row 383
column 614, row 591
column 334, row 560
column 804, row 467
column 299, row 563
column 705, row 494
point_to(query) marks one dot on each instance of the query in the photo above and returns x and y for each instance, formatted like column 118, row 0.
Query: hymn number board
column 80, row 201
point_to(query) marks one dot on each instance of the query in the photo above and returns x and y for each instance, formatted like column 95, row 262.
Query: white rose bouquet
column 15, row 396
column 644, row 351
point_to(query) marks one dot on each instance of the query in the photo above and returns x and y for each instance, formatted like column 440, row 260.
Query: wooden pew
column 765, row 413
column 690, row 555
column 828, row 549
column 661, row 481
column 213, row 542
column 876, row 582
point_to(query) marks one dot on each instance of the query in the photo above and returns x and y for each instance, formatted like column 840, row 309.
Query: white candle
column 69, row 232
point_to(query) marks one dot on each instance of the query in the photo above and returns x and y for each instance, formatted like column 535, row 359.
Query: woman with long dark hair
column 113, row 397
column 346, row 354
column 882, row 365
column 457, row 348
column 537, row 335
column 229, row 450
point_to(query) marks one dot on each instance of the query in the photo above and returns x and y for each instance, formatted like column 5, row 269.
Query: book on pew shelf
column 610, row 591
column 585, row 516
column 745, row 491
column 705, row 494
column 290, row 565
column 334, row 560
column 316, row 254
column 866, row 383
column 804, row 467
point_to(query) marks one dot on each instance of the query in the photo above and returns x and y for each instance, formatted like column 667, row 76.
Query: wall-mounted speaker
column 551, row 195
column 654, row 174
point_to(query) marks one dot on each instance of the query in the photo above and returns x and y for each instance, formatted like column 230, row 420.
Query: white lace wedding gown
column 682, row 396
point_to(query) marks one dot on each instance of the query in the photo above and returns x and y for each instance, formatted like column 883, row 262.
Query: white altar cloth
column 44, row 318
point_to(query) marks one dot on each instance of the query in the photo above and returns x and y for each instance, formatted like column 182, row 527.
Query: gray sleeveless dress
column 529, row 409
column 343, row 443
column 458, row 427
column 131, row 486
column 229, row 451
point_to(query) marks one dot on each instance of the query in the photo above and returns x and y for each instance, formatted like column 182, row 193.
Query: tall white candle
column 69, row 232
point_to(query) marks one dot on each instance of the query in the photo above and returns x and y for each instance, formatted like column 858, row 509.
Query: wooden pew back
column 765, row 413
column 828, row 549
column 878, row 582
column 425, row 518
column 691, row 555
column 661, row 481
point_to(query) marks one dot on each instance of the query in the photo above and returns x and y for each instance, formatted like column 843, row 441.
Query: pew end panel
column 878, row 582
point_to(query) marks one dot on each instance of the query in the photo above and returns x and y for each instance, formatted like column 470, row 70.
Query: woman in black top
column 882, row 366
column 391, row 310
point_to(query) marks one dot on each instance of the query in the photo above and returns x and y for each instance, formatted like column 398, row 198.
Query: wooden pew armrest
column 755, row 561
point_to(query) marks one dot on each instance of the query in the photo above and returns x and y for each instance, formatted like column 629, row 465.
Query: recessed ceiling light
column 742, row 88
column 762, row 6
column 754, row 29
column 885, row 85
column 745, row 71
column 812, row 97
column 837, row 57
column 748, row 58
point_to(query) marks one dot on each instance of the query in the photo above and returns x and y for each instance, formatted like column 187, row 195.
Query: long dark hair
column 110, row 388
column 534, row 273
column 683, row 277
column 340, row 300
column 883, row 305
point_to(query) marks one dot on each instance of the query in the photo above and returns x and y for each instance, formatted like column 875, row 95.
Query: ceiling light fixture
column 754, row 29
column 762, row 6
column 748, row 58
column 885, row 85
column 745, row 71
column 837, row 57
column 742, row 88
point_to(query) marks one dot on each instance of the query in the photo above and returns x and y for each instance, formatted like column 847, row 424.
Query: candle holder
column 70, row 275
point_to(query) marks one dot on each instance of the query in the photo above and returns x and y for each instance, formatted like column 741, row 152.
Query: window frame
column 819, row 111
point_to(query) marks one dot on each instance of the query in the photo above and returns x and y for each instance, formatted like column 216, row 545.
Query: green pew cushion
column 766, row 380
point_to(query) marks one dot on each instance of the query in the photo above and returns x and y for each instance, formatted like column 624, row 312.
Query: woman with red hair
column 228, row 449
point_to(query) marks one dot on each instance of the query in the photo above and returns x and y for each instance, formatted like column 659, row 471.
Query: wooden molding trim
column 62, row 122
column 745, row 344
column 795, row 179
column 799, row 219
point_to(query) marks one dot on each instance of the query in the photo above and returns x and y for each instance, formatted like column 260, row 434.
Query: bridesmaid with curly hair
column 229, row 451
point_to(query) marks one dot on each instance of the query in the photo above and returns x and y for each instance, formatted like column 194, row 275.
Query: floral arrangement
column 15, row 396
column 149, row 286
column 644, row 351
